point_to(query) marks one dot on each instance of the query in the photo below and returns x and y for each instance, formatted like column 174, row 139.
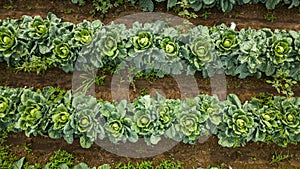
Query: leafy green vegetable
column 169, row 46
column 238, row 125
column 59, row 114
column 281, row 49
column 87, row 122
column 32, row 109
column 118, row 124
column 227, row 42
column 202, row 49
column 142, row 41
column 63, row 55
column 9, row 99
column 146, row 119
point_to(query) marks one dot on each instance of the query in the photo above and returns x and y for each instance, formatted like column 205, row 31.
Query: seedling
column 185, row 13
column 283, row 83
column 28, row 7
column 60, row 157
column 66, row 11
column 99, row 80
column 205, row 15
column 8, row 7
column 277, row 157
column 144, row 92
column 237, row 15
column 27, row 148
column 270, row 18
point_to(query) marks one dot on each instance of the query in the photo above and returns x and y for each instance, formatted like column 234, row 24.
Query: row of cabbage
column 197, row 5
column 34, row 43
column 60, row 114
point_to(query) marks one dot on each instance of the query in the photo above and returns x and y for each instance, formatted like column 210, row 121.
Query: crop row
column 197, row 5
column 34, row 44
column 63, row 115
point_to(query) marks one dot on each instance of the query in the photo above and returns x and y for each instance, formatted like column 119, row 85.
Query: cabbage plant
column 238, row 125
column 190, row 122
column 37, row 28
column 118, row 122
column 32, row 110
column 109, row 44
column 146, row 118
column 296, row 43
column 9, row 99
column 214, row 108
column 64, row 55
column 202, row 49
column 107, row 47
column 60, row 115
column 290, row 118
column 252, row 48
column 8, row 42
column 281, row 49
column 143, row 40
column 170, row 47
column 269, row 123
column 85, row 31
column 228, row 42
column 39, row 32
column 87, row 122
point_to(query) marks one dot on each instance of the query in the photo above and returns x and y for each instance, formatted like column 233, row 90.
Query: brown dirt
column 244, row 88
column 253, row 155
column 253, row 16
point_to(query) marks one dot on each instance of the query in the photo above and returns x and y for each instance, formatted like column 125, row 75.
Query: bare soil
column 253, row 155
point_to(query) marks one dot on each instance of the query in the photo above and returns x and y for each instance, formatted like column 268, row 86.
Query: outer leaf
column 147, row 5
column 171, row 3
column 18, row 164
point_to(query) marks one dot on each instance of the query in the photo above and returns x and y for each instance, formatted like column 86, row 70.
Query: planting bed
column 201, row 154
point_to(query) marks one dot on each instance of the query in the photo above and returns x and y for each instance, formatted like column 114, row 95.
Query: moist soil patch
column 253, row 155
